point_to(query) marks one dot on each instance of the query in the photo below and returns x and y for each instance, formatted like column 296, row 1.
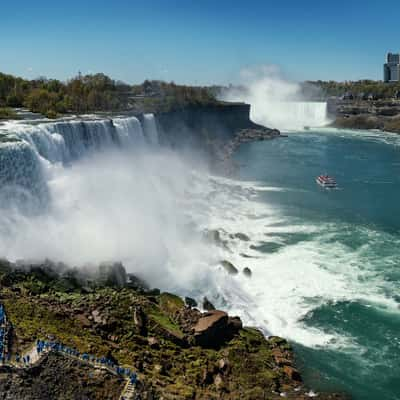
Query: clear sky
column 197, row 41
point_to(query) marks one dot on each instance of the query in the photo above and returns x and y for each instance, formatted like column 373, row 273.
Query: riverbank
column 360, row 114
column 214, row 131
column 177, row 351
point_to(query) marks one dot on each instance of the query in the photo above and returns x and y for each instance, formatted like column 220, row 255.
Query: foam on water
column 295, row 278
column 109, row 193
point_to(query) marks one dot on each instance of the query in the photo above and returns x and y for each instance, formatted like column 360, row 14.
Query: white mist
column 277, row 102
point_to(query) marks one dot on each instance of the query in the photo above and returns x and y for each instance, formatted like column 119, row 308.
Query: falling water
column 149, row 125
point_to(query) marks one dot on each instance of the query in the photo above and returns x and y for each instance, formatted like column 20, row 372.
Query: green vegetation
column 96, row 92
column 100, row 316
column 163, row 96
column 7, row 113
column 362, row 88
column 52, row 97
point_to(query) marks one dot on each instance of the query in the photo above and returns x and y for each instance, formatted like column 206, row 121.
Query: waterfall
column 291, row 115
column 28, row 151
column 150, row 128
column 129, row 131
column 307, row 113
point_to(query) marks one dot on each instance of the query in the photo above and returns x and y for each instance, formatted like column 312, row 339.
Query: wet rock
column 214, row 235
column 190, row 302
column 229, row 267
column 247, row 272
column 207, row 305
column 240, row 236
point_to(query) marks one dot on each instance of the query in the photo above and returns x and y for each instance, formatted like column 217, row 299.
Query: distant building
column 391, row 70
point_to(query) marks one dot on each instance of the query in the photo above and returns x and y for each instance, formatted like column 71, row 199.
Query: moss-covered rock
column 104, row 320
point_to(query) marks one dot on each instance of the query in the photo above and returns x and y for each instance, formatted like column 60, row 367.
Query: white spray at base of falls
column 110, row 195
column 107, row 192
column 276, row 102
column 106, row 196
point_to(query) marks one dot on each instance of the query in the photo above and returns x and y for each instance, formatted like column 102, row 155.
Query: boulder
column 215, row 328
column 229, row 267
column 235, row 324
column 240, row 236
column 247, row 272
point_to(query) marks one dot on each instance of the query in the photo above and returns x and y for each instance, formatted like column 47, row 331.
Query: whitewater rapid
column 109, row 191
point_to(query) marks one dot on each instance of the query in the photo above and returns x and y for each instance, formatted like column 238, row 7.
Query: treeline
column 96, row 92
column 52, row 97
column 166, row 96
column 364, row 89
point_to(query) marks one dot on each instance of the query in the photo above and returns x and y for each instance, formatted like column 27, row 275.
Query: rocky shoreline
column 223, row 153
column 177, row 351
column 360, row 114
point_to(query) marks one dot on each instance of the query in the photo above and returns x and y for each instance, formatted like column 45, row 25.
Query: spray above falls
column 277, row 102
column 88, row 191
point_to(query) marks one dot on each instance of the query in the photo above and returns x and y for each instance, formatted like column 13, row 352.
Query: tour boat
column 326, row 181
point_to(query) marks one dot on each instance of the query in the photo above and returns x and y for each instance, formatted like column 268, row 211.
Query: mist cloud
column 275, row 101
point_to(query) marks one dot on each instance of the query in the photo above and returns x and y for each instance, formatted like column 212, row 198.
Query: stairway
column 128, row 393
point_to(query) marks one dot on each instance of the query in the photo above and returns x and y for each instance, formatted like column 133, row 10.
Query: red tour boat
column 326, row 181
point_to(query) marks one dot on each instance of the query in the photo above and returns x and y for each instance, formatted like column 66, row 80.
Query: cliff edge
column 85, row 332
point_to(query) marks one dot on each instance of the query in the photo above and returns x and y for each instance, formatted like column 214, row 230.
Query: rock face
column 229, row 267
column 240, row 236
column 207, row 305
column 214, row 328
column 361, row 114
column 59, row 378
column 178, row 352
column 247, row 272
column 215, row 131
column 190, row 302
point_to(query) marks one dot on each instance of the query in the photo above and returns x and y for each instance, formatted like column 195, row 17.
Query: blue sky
column 197, row 41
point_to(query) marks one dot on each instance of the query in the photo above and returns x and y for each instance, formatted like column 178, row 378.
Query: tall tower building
column 391, row 70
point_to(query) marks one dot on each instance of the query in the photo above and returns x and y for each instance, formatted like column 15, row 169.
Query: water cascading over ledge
column 26, row 151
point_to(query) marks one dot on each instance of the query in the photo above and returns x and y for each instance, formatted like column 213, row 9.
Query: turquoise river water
column 336, row 253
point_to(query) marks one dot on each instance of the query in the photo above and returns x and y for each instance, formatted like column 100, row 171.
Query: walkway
column 43, row 347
